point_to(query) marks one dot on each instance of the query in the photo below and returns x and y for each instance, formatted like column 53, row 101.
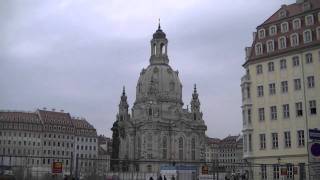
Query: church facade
column 159, row 131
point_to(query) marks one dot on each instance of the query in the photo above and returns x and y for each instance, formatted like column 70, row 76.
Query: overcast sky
column 77, row 54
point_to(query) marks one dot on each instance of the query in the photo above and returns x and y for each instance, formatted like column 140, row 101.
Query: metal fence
column 41, row 168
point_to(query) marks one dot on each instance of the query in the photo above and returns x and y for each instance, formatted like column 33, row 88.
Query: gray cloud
column 76, row 55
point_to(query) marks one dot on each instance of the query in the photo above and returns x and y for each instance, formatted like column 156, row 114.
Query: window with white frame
column 263, row 171
column 287, row 139
column 310, row 80
column 294, row 39
column 307, row 36
column 276, row 171
column 296, row 24
column 262, row 33
column 309, row 20
column 289, row 171
column 261, row 114
column 259, row 49
column 284, row 27
column 259, row 69
column 282, row 42
column 299, row 111
column 275, row 142
column 272, row 89
column 270, row 45
column 295, row 61
column 262, row 141
column 260, row 91
column 300, row 135
column 284, row 86
column 313, row 107
column 309, row 58
column 272, row 30
column 283, row 64
column 286, row 111
column 271, row 66
column 273, row 113
column 249, row 116
column 297, row 84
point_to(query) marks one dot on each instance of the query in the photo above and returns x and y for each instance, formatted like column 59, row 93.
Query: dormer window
column 262, row 33
column 259, row 49
column 282, row 42
column 282, row 13
column 294, row 39
column 296, row 24
column 270, row 46
column 318, row 33
column 307, row 36
column 284, row 27
column 306, row 6
column 309, row 20
column 273, row 30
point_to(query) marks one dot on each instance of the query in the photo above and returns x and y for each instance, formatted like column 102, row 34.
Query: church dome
column 158, row 81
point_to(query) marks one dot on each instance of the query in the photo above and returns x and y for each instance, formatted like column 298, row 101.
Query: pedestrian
column 172, row 178
column 164, row 177
column 160, row 177
column 151, row 178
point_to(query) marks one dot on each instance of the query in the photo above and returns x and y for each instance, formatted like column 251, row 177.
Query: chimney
column 299, row 1
column 44, row 108
column 53, row 109
column 62, row 110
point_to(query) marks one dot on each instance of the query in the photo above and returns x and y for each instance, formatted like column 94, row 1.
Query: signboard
column 314, row 159
column 57, row 167
column 284, row 171
column 314, row 134
column 204, row 169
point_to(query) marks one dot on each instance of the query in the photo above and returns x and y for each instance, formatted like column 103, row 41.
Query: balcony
column 245, row 79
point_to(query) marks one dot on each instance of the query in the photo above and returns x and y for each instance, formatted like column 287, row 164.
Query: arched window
column 164, row 147
column 296, row 24
column 180, row 148
column 139, row 147
column 150, row 111
column 194, row 116
column 149, row 146
column 270, row 46
column 259, row 49
column 261, row 33
column 294, row 39
column 172, row 86
column 162, row 48
column 154, row 49
column 193, row 148
column 282, row 42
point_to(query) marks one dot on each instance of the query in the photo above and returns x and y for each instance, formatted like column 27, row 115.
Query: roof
column 291, row 10
column 19, row 117
column 82, row 124
column 53, row 117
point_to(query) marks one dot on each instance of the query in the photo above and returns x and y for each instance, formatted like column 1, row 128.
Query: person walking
column 164, row 177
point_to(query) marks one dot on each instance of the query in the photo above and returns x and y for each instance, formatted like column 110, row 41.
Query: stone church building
column 160, row 131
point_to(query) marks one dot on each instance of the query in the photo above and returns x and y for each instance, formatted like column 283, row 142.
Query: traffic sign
column 314, row 134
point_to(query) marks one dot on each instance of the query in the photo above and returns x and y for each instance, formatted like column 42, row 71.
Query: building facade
column 37, row 139
column 281, row 92
column 159, row 131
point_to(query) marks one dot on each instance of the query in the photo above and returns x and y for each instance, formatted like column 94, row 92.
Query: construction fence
column 62, row 168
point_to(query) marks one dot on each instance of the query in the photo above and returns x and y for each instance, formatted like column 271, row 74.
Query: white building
column 281, row 92
column 159, row 130
column 37, row 139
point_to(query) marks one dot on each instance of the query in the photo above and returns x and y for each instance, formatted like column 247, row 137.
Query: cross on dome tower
column 159, row 47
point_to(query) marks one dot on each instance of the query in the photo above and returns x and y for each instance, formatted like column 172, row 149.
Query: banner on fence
column 57, row 167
